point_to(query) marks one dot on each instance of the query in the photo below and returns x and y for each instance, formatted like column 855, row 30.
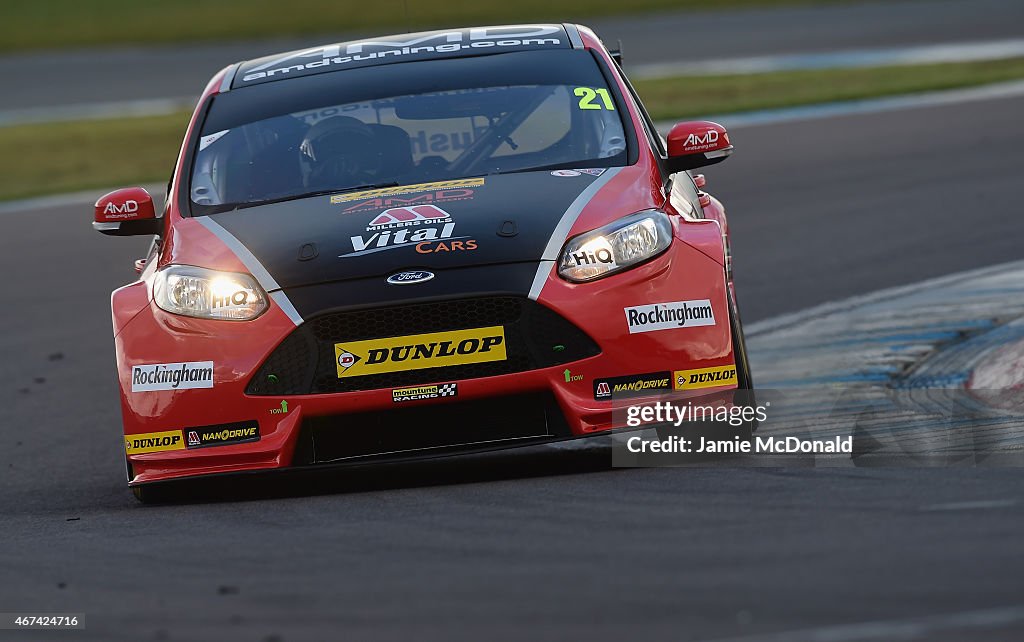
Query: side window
column 652, row 133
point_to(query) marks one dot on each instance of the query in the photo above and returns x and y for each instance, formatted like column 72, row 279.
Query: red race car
column 418, row 244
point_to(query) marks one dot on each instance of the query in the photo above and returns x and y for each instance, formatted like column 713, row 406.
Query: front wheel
column 744, row 395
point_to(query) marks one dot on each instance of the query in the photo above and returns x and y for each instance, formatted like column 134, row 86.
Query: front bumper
column 307, row 419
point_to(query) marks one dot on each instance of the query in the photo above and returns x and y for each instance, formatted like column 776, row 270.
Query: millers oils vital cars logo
column 667, row 316
column 153, row 442
column 416, row 393
column 172, row 376
column 632, row 386
column 426, row 227
column 220, row 434
column 419, row 351
column 704, row 378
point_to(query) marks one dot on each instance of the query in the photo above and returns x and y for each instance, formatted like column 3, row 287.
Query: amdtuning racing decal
column 424, row 46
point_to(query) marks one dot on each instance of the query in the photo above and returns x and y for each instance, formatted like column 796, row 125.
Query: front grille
column 535, row 337
column 481, row 423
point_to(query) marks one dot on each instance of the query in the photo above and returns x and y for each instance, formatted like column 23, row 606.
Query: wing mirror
column 126, row 212
column 696, row 144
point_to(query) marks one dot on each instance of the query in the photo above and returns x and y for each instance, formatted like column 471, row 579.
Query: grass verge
column 67, row 157
column 702, row 95
column 64, row 157
column 36, row 24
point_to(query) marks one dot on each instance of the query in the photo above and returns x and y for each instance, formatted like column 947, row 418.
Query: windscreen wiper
column 227, row 207
column 542, row 168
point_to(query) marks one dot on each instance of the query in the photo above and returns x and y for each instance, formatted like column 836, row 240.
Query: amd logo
column 128, row 207
column 707, row 140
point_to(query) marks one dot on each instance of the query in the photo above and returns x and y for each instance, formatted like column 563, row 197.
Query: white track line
column 786, row 320
column 994, row 91
column 848, row 59
column 978, row 505
column 96, row 111
column 901, row 629
column 86, row 197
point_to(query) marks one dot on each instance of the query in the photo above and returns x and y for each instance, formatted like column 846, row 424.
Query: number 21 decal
column 587, row 96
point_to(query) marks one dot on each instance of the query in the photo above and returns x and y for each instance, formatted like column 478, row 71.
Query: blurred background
column 97, row 93
column 878, row 144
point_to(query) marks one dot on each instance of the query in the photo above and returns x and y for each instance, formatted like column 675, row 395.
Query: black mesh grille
column 535, row 338
column 492, row 422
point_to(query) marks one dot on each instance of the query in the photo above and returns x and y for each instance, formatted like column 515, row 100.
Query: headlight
column 208, row 294
column 615, row 247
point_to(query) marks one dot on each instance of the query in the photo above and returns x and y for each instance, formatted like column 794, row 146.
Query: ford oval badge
column 408, row 278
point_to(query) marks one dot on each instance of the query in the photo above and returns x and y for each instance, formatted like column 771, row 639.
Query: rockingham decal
column 669, row 316
column 153, row 442
column 444, row 42
column 704, row 378
column 632, row 385
column 419, row 351
column 237, row 432
column 172, row 376
column 437, row 186
column 415, row 393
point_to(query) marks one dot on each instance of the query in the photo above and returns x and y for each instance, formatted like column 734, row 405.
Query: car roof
column 408, row 47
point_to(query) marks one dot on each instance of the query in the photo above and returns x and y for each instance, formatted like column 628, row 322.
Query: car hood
column 499, row 219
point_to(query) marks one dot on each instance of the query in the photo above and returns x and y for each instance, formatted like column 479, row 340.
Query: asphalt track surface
column 175, row 71
column 540, row 545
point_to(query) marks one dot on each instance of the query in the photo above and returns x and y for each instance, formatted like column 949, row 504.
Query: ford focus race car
column 413, row 245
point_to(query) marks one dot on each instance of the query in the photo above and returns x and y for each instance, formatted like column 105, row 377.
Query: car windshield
column 406, row 123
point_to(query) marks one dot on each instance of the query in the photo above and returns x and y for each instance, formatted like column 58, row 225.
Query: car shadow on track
column 502, row 465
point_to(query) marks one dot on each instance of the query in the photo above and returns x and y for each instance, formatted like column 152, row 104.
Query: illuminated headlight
column 615, row 247
column 208, row 294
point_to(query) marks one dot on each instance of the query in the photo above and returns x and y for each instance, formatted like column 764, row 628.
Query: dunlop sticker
column 705, row 378
column 153, row 442
column 419, row 351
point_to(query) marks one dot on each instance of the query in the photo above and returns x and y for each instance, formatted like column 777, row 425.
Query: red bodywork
column 692, row 269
